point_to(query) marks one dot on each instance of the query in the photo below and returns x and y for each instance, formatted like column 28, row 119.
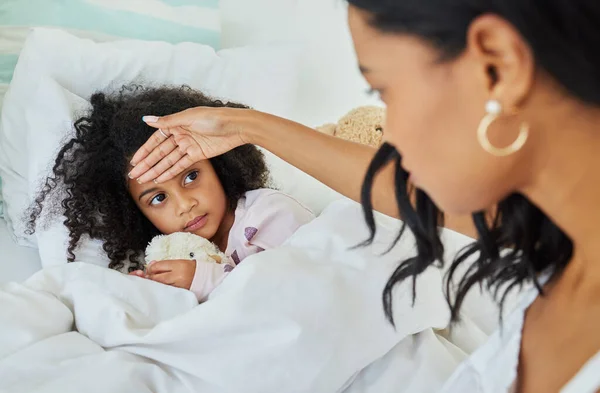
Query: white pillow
column 263, row 77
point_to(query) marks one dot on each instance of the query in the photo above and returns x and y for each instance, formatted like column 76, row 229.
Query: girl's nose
column 186, row 205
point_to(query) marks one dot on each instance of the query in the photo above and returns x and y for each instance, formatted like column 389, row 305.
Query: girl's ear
column 216, row 258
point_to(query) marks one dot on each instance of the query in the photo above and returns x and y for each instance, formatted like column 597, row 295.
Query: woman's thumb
column 164, row 122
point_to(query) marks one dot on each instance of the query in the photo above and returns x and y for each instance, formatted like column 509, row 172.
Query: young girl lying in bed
column 223, row 199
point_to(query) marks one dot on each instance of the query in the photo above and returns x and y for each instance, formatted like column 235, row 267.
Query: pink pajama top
column 264, row 219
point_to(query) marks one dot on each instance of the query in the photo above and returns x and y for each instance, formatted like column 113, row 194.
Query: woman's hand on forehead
column 162, row 157
column 185, row 138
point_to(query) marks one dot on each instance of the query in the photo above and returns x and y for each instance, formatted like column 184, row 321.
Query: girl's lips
column 196, row 223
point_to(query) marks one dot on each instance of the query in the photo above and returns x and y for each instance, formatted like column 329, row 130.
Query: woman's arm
column 201, row 133
column 339, row 164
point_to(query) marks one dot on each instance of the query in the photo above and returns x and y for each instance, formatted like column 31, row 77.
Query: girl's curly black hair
column 88, row 184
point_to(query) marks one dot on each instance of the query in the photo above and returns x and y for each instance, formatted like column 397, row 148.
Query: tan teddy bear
column 361, row 125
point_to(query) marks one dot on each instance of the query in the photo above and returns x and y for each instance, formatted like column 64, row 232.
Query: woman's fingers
column 185, row 162
column 151, row 144
column 145, row 167
column 196, row 133
column 151, row 121
column 163, row 165
column 180, row 119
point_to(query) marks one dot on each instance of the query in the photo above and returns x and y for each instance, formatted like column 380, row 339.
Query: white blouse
column 493, row 367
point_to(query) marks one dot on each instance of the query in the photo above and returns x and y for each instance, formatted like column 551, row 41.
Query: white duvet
column 303, row 318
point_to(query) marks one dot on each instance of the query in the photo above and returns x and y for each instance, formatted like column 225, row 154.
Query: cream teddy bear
column 183, row 245
column 362, row 125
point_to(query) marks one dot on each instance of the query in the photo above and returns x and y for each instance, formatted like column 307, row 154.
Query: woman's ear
column 506, row 61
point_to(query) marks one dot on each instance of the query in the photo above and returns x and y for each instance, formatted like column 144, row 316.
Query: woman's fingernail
column 150, row 119
column 132, row 163
column 129, row 175
column 138, row 180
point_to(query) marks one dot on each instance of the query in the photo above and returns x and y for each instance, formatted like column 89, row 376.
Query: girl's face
column 192, row 202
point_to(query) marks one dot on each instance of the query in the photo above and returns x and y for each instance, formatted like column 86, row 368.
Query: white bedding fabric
column 17, row 263
column 303, row 318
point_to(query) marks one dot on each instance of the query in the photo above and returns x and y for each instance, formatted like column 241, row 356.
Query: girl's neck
column 221, row 238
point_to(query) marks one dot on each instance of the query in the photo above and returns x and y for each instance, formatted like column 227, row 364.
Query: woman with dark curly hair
column 223, row 199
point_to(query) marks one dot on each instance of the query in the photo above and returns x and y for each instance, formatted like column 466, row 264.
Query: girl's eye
column 157, row 200
column 191, row 177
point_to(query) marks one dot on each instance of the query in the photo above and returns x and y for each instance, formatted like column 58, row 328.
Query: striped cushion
column 172, row 21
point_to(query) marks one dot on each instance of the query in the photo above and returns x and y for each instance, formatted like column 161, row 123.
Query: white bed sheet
column 420, row 362
column 304, row 318
column 17, row 263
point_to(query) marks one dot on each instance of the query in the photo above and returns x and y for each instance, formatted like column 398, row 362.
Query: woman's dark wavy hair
column 88, row 184
column 519, row 242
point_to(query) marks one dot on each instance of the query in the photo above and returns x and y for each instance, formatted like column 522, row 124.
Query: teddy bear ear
column 216, row 258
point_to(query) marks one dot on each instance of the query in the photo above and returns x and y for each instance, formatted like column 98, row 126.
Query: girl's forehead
column 138, row 189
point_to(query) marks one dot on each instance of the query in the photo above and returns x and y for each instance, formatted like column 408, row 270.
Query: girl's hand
column 178, row 273
column 187, row 137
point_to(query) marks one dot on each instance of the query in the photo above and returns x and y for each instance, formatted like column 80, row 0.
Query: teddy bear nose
column 191, row 254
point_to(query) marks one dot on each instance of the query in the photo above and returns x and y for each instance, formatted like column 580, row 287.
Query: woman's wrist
column 256, row 128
